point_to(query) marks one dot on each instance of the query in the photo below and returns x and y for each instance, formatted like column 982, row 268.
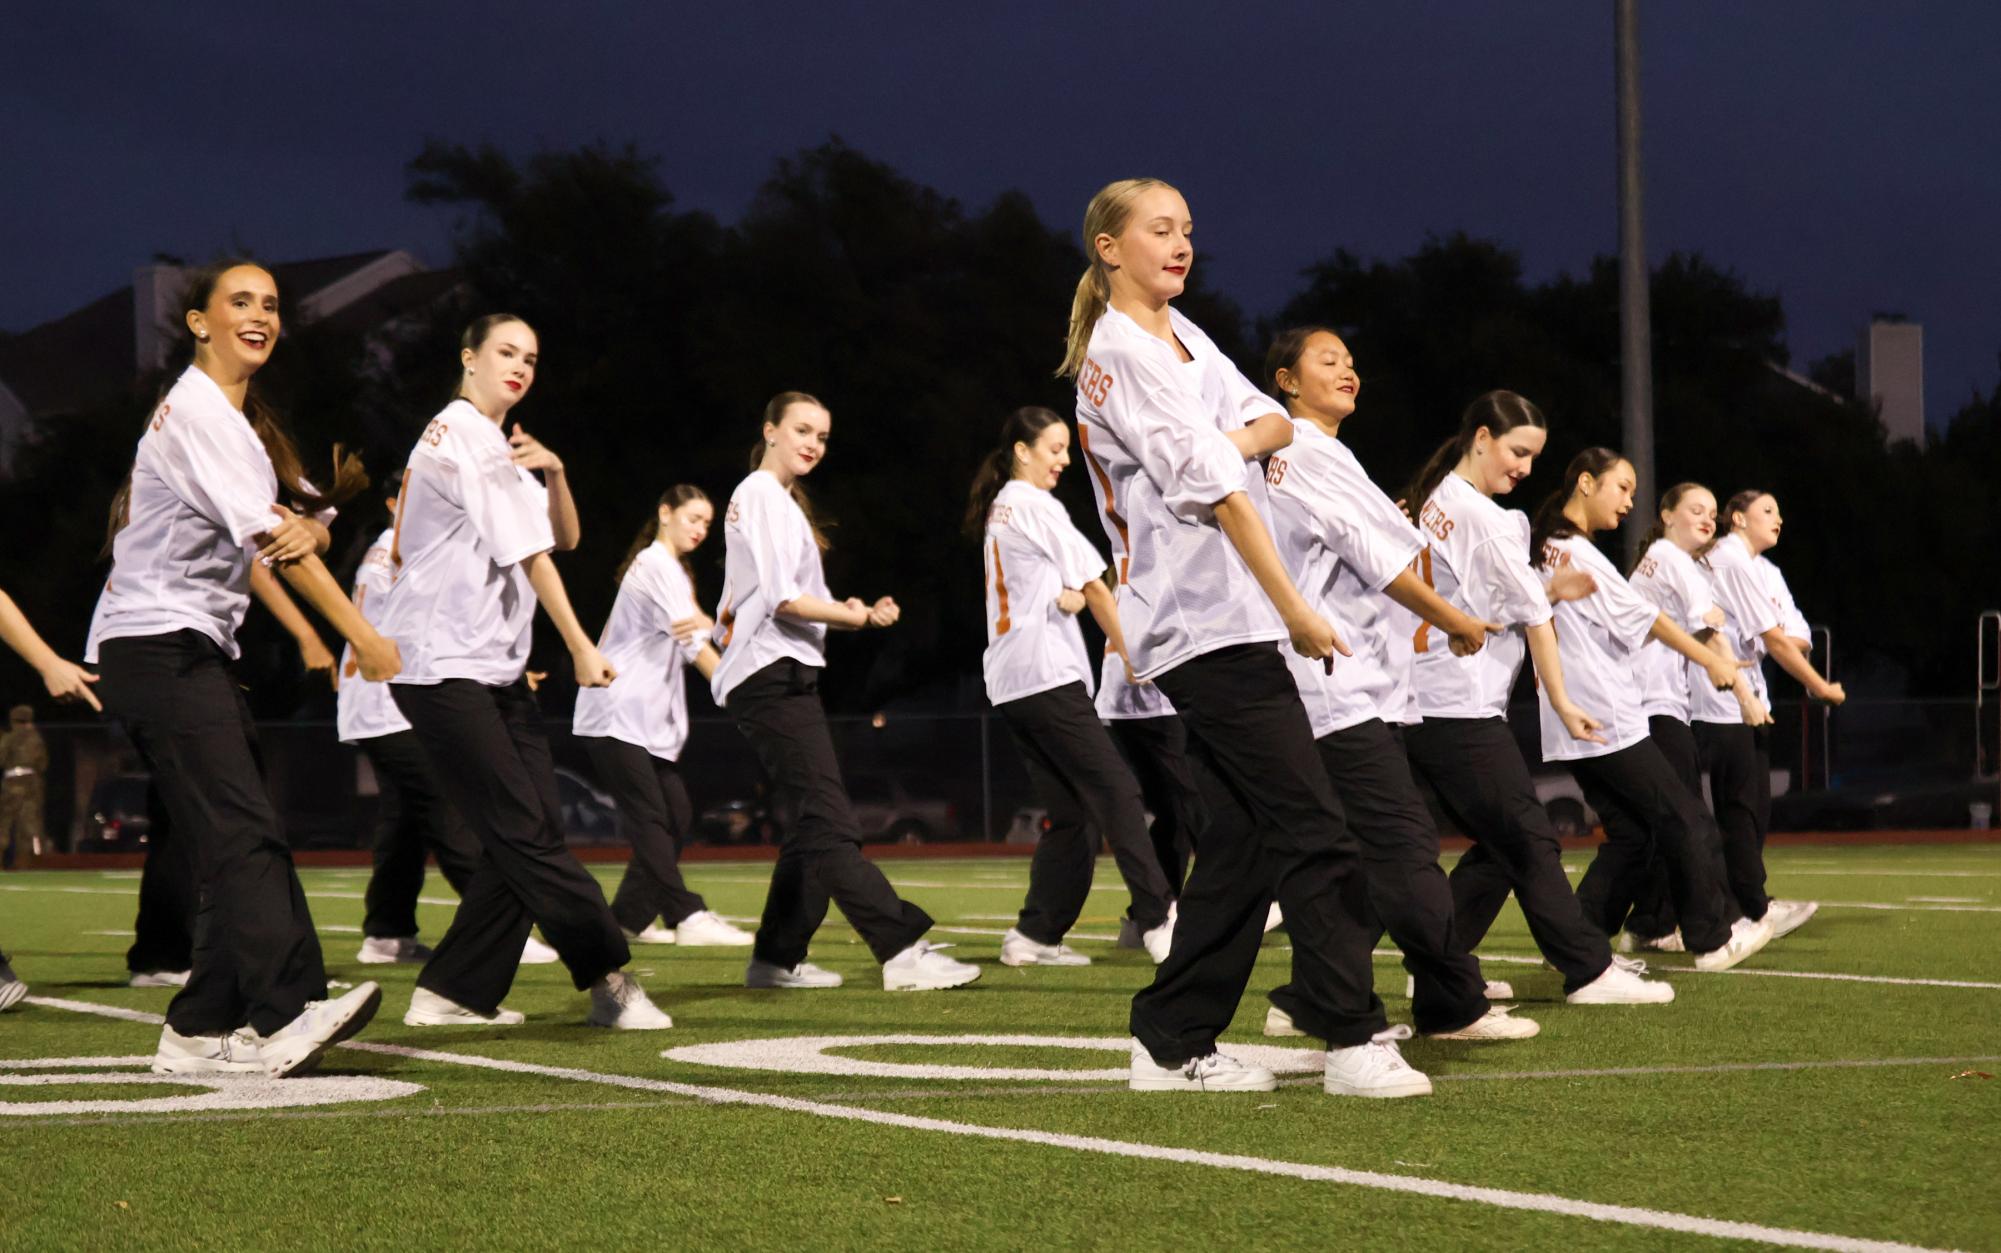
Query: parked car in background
column 1027, row 826
column 736, row 821
column 890, row 813
column 118, row 821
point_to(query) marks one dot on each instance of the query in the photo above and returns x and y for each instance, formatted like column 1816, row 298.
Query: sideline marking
column 807, row 1055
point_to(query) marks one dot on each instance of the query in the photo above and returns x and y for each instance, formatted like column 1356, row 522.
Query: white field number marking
column 209, row 1092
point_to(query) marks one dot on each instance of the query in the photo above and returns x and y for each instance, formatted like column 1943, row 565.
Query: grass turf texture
column 1904, row 1153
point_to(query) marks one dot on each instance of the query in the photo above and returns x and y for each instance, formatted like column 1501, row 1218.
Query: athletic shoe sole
column 1175, row 1083
column 1800, row 920
column 414, row 1019
column 295, row 1056
column 928, row 983
column 154, row 980
column 1421, row 1086
column 1486, row 1031
column 1742, row 957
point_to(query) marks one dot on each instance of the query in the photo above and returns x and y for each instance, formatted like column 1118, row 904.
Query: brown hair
column 1499, row 412
column 649, row 531
column 1285, row 352
column 1670, row 500
column 1550, row 522
column 1726, row 516
column 1024, row 426
column 1107, row 214
column 774, row 412
column 350, row 479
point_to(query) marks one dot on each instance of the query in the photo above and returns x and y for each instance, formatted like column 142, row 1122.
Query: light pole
column 1636, row 375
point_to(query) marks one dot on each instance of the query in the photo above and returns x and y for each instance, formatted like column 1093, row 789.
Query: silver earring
column 202, row 338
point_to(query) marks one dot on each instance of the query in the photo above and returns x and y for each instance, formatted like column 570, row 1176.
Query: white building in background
column 1890, row 373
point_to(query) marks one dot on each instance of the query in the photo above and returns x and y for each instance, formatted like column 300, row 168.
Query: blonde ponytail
column 1105, row 215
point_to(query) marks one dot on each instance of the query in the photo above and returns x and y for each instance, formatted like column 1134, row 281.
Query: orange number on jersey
column 1002, row 622
column 1421, row 642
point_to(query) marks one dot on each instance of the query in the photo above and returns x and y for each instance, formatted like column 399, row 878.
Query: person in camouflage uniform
column 24, row 761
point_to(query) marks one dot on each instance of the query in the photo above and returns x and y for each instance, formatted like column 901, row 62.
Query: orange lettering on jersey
column 1000, row 515
column 434, row 434
column 732, row 514
column 1093, row 383
column 1111, row 505
column 396, row 531
column 160, row 418
column 1275, row 468
column 1421, row 642
column 727, row 615
column 1001, row 620
column 1646, row 567
column 1436, row 521
column 1555, row 558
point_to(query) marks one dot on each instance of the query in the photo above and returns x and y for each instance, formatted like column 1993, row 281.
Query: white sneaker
column 653, row 934
column 536, row 953
column 428, row 1009
column 1495, row 1024
column 1274, row 918
column 1278, row 1022
column 1376, row 1068
column 922, row 968
column 11, row 987
column 159, row 979
column 394, row 950
column 703, row 929
column 1161, row 938
column 1495, row 989
column 619, row 1002
column 1746, row 938
column 233, row 1054
column 1214, row 1072
column 805, row 975
column 1620, row 984
column 1787, row 917
column 1018, row 950
column 297, row 1045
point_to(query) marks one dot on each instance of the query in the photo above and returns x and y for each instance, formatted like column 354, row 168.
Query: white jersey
column 1599, row 639
column 648, row 705
column 467, row 520
column 1033, row 553
column 770, row 557
column 1478, row 560
column 366, row 710
column 202, row 491
column 1151, row 427
column 1672, row 581
column 1121, row 701
column 1781, row 595
column 1343, row 542
column 1748, row 613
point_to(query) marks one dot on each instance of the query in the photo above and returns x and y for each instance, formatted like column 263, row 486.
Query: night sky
column 1841, row 154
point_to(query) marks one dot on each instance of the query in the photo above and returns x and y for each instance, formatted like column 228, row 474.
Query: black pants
column 1156, row 749
column 654, row 817
column 1739, row 761
column 1277, row 823
column 1653, row 901
column 1480, row 777
column 412, row 820
column 1657, row 815
column 256, row 959
column 169, row 896
column 488, row 752
column 778, row 710
column 1083, row 783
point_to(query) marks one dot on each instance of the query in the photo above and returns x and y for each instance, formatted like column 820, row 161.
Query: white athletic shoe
column 1746, row 938
column 1214, row 1072
column 1495, row 1024
column 159, row 979
column 1787, row 917
column 1018, row 950
column 393, row 950
column 536, row 953
column 11, row 987
column 653, row 934
column 296, row 1046
column 1376, row 1068
column 1278, row 1022
column 1274, row 918
column 1495, row 989
column 1161, row 938
column 236, row 1053
column 805, row 975
column 922, row 968
column 703, row 929
column 1620, row 984
column 619, row 1002
column 428, row 1009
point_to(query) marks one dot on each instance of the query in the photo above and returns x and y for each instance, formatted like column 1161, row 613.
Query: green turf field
column 1821, row 1110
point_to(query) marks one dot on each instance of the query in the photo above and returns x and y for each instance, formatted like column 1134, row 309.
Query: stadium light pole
column 1636, row 381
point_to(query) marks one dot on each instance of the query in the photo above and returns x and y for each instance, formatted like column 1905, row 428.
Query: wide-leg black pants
column 412, row 821
column 654, row 817
column 1657, row 816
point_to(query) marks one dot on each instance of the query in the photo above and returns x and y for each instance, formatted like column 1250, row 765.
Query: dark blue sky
column 1841, row 153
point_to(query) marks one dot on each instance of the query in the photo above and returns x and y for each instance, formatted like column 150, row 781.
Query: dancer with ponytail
column 635, row 729
column 1600, row 636
column 772, row 630
column 472, row 542
column 201, row 505
column 1169, row 425
column 1477, row 560
column 1040, row 572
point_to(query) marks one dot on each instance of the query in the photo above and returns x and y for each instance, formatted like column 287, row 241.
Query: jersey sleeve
column 1500, row 584
column 1049, row 526
column 225, row 479
column 673, row 600
column 507, row 509
column 1629, row 616
column 1247, row 399
column 1359, row 524
column 772, row 528
column 1743, row 598
column 1173, row 436
column 326, row 516
column 1694, row 593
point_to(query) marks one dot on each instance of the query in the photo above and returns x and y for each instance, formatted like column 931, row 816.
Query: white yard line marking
column 125, row 892
column 92, row 1007
column 1945, row 900
column 1894, row 874
column 420, row 1111
column 1658, row 968
column 1930, row 907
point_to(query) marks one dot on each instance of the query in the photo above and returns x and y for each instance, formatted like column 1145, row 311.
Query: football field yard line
column 421, row 1111
column 1927, row 907
column 1516, row 959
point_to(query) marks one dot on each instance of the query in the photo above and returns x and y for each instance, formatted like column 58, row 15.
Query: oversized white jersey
column 366, row 710
column 1748, row 613
column 1478, row 559
column 1121, row 701
column 770, row 557
column 467, row 520
column 1781, row 595
column 1672, row 581
column 1343, row 542
column 202, row 491
column 648, row 705
column 1599, row 639
column 1033, row 553
column 1151, row 427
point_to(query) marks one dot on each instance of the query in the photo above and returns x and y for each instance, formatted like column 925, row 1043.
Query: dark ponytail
column 649, row 531
column 774, row 412
column 1670, row 500
column 1024, row 426
column 1726, row 520
column 1499, row 412
column 1550, row 522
